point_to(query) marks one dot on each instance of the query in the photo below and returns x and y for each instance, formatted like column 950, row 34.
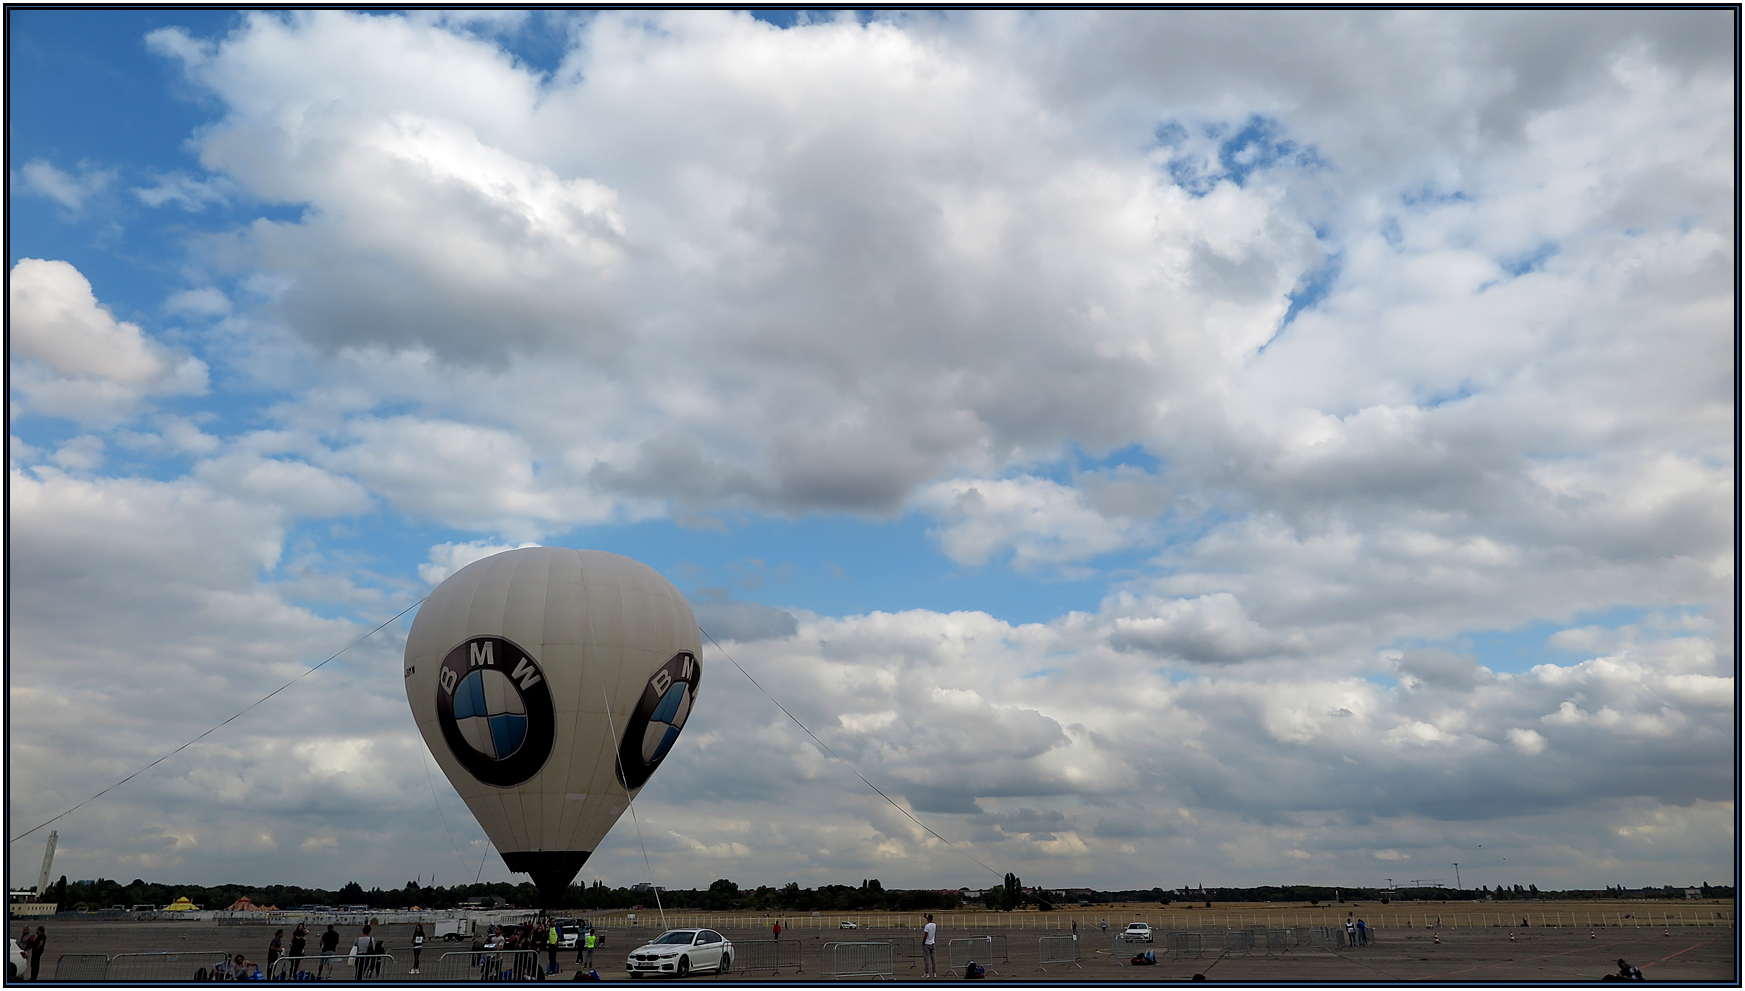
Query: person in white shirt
column 929, row 933
column 362, row 948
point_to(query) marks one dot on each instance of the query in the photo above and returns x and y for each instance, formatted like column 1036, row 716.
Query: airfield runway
column 1478, row 955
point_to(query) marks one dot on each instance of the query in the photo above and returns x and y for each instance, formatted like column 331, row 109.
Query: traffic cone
column 1511, row 937
column 1667, row 933
column 1592, row 935
column 1437, row 939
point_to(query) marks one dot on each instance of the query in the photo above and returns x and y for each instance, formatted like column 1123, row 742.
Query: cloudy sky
column 1158, row 448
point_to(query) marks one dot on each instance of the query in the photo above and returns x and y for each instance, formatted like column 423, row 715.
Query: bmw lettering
column 659, row 716
column 495, row 710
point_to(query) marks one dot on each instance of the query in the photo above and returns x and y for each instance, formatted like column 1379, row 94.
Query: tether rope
column 434, row 800
column 631, row 802
column 826, row 748
column 221, row 725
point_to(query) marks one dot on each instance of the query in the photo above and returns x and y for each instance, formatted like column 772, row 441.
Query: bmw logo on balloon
column 659, row 716
column 495, row 710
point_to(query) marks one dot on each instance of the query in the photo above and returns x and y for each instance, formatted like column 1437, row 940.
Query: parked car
column 17, row 964
column 1137, row 932
column 849, row 925
column 678, row 952
column 569, row 933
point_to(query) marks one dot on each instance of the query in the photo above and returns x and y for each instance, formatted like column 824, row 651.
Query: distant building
column 1693, row 892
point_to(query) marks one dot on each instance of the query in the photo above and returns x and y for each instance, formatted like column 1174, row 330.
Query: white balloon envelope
column 549, row 683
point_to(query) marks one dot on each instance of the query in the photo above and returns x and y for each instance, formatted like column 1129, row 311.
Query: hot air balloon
column 549, row 683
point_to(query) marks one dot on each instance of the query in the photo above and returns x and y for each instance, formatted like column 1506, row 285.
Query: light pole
column 1457, row 886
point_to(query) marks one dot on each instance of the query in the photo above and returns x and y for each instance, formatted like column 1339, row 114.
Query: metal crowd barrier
column 959, row 952
column 361, row 967
column 1183, row 943
column 859, row 960
column 80, row 967
column 907, row 947
column 164, row 965
column 489, row 965
column 1057, row 950
column 1120, row 947
column 766, row 956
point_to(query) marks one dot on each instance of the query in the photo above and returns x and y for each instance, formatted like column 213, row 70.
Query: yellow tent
column 181, row 905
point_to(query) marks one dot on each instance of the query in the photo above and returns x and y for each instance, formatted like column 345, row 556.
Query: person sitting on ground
column 1146, row 959
column 244, row 970
column 1627, row 972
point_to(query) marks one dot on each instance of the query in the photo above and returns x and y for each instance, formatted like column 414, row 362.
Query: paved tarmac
column 1477, row 955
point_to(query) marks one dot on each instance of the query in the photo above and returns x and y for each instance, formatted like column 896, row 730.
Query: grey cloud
column 1125, row 491
column 742, row 621
column 944, row 800
column 1441, row 669
column 1133, row 824
column 1212, row 629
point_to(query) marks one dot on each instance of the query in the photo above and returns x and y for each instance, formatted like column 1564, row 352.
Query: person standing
column 551, row 938
column 777, row 929
column 25, row 939
column 417, row 944
column 1350, row 933
column 1362, row 933
column 38, row 943
column 299, row 943
column 929, row 935
column 588, row 942
column 275, row 949
column 329, row 947
column 361, row 948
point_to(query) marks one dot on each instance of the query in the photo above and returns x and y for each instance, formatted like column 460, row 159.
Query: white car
column 17, row 964
column 1137, row 932
column 679, row 952
column 569, row 933
column 849, row 925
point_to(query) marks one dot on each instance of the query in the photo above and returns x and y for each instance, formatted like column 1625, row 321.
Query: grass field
column 1616, row 913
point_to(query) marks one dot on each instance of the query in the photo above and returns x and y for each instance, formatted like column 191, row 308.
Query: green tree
column 722, row 895
column 1014, row 892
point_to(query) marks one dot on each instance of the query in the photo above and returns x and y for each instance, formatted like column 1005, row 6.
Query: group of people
column 1356, row 933
column 503, row 941
column 33, row 943
column 288, row 962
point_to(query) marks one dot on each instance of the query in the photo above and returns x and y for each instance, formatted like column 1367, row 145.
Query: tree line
column 725, row 895
column 721, row 896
